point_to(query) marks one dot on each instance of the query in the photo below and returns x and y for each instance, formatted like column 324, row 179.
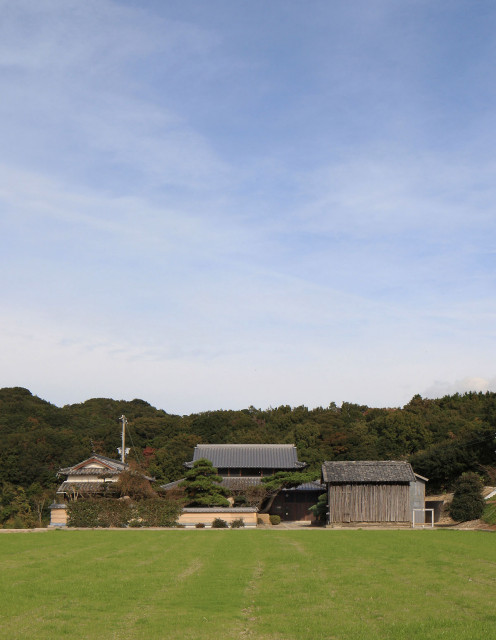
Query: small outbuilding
column 384, row 491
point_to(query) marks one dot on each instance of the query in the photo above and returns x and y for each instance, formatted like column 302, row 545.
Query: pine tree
column 202, row 486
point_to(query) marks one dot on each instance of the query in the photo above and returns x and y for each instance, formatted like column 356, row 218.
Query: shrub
column 83, row 513
column 108, row 512
column 467, row 503
column 135, row 485
column 319, row 510
column 157, row 512
column 218, row 523
column 239, row 523
column 200, row 525
column 274, row 519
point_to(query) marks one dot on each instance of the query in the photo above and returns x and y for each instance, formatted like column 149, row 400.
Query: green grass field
column 266, row 584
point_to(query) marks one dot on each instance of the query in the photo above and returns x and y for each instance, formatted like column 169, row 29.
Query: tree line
column 442, row 438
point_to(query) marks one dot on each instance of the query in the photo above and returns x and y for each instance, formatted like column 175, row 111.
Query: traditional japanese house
column 244, row 465
column 95, row 475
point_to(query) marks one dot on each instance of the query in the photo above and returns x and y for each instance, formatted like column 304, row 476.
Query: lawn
column 254, row 585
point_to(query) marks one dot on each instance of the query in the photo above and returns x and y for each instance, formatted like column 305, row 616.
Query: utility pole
column 123, row 419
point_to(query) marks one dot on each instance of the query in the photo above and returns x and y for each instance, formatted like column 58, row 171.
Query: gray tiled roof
column 240, row 482
column 309, row 486
column 86, row 487
column 171, row 485
column 234, row 483
column 230, row 482
column 248, row 456
column 110, row 463
column 386, row 471
column 92, row 471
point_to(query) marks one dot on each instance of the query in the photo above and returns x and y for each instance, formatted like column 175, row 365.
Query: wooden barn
column 371, row 491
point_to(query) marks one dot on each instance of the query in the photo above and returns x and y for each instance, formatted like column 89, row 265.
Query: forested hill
column 441, row 437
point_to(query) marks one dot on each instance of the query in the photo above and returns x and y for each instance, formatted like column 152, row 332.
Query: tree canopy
column 442, row 438
column 202, row 486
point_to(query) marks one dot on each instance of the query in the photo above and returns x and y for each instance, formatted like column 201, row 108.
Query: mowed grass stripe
column 383, row 585
column 275, row 585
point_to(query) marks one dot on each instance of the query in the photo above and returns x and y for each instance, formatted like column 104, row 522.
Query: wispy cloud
column 260, row 205
column 443, row 388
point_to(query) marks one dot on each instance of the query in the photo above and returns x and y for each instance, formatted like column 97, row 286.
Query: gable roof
column 363, row 471
column 82, row 468
column 248, row 456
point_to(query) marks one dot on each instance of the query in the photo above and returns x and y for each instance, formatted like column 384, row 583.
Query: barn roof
column 249, row 456
column 363, row 471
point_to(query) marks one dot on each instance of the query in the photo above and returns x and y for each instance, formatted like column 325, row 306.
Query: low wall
column 58, row 515
column 193, row 516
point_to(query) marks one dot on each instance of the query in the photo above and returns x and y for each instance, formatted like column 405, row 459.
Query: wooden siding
column 294, row 505
column 369, row 503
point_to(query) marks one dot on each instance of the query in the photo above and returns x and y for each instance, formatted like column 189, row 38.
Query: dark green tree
column 284, row 480
column 468, row 503
column 202, row 486
column 319, row 510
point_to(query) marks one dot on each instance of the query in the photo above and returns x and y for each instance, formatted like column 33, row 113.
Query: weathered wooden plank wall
column 369, row 503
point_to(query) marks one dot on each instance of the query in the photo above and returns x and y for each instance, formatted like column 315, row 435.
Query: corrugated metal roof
column 387, row 471
column 248, row 456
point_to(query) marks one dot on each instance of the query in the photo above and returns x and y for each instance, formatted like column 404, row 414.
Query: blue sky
column 221, row 204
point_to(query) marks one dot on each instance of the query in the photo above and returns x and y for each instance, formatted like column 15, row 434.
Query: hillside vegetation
column 441, row 438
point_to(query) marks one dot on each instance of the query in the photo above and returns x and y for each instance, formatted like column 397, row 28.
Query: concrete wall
column 58, row 515
column 190, row 517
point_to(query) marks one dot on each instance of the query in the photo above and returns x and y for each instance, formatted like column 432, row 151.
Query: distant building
column 372, row 492
column 244, row 465
column 95, row 475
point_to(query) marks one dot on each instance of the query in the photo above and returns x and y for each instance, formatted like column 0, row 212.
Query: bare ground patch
column 191, row 569
column 249, row 617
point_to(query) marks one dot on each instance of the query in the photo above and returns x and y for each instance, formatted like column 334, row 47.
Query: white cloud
column 442, row 388
column 238, row 214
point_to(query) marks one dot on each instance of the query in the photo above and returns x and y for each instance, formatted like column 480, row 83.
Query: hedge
column 108, row 512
